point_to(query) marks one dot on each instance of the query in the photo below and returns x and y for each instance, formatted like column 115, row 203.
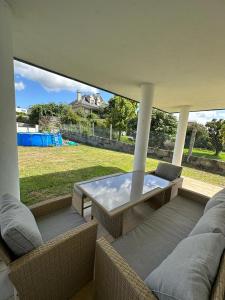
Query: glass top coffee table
column 117, row 193
column 117, row 198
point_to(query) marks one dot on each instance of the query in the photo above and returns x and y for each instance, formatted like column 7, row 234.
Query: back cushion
column 18, row 226
column 168, row 171
column 218, row 198
column 190, row 270
column 212, row 221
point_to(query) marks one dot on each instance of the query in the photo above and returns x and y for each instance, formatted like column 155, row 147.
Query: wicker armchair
column 177, row 180
column 58, row 268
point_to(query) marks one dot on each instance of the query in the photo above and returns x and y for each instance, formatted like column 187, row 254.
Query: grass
column 206, row 153
column 49, row 172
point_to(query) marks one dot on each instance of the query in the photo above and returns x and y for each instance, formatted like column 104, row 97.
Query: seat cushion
column 212, row 221
column 18, row 226
column 145, row 247
column 168, row 171
column 59, row 222
column 218, row 198
column 189, row 271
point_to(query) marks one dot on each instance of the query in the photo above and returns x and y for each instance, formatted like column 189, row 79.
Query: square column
column 9, row 175
column 143, row 127
column 180, row 137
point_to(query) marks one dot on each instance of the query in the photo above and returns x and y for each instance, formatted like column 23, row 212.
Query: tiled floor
column 6, row 290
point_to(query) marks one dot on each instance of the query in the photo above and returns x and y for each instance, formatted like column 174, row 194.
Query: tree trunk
column 192, row 143
column 217, row 152
column 119, row 137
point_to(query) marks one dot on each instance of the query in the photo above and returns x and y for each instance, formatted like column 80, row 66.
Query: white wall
column 27, row 128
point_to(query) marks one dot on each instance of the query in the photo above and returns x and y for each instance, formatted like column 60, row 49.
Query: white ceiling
column 118, row 44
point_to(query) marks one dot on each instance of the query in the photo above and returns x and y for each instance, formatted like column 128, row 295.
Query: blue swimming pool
column 39, row 139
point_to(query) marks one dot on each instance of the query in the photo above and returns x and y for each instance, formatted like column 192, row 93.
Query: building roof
column 86, row 101
column 86, row 105
column 116, row 45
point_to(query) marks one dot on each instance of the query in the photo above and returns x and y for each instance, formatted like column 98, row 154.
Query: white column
column 143, row 127
column 180, row 137
column 9, row 175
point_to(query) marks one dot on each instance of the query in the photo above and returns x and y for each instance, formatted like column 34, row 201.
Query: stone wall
column 99, row 142
column 162, row 154
column 211, row 165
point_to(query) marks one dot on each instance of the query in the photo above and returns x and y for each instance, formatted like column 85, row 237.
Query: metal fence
column 197, row 143
column 92, row 130
column 156, row 140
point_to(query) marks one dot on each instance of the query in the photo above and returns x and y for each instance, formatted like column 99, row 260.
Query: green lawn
column 49, row 172
column 206, row 153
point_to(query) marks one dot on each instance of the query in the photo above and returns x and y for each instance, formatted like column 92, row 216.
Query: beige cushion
column 146, row 246
column 59, row 222
column 18, row 226
column 218, row 198
column 190, row 270
column 168, row 171
column 212, row 221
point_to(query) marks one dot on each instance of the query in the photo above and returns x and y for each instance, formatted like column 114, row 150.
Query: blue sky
column 34, row 85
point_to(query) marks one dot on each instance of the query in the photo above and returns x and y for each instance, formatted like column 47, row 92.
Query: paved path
column 200, row 186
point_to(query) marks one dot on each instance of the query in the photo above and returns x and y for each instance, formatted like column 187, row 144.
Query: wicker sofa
column 64, row 263
column 122, row 266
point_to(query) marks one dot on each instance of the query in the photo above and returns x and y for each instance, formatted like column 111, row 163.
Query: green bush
column 22, row 118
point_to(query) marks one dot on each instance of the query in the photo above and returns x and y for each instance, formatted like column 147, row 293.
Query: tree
column 202, row 136
column 39, row 110
column 68, row 116
column 22, row 117
column 132, row 126
column 64, row 112
column 163, row 128
column 119, row 111
column 49, row 124
column 222, row 133
column 214, row 129
column 194, row 130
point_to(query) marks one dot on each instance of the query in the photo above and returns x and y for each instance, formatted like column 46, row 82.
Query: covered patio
column 167, row 55
column 163, row 54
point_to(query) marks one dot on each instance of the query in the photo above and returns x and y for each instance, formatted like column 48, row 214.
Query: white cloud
column 204, row 116
column 19, row 86
column 49, row 81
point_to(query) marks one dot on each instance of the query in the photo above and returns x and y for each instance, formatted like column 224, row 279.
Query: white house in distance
column 89, row 103
column 21, row 110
